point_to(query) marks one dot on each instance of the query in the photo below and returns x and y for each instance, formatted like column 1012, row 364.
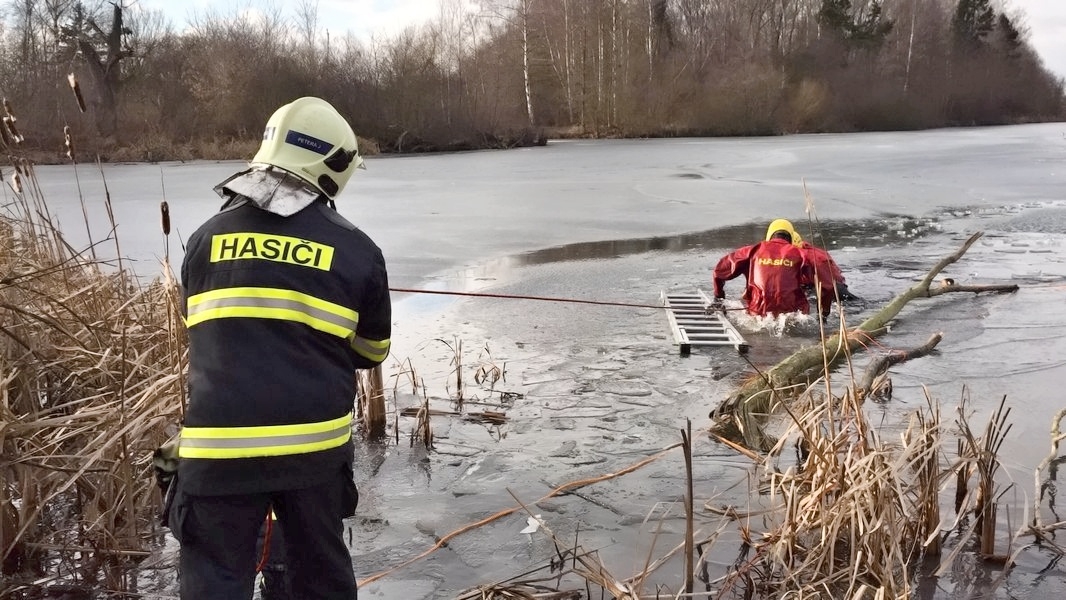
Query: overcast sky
column 1047, row 26
column 1046, row 19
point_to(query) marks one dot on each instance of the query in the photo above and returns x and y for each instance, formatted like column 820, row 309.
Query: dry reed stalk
column 111, row 217
column 69, row 144
column 90, row 388
column 423, row 430
column 488, row 371
column 686, row 447
column 456, row 348
column 1042, row 486
column 706, row 541
column 177, row 335
column 406, row 369
column 371, row 401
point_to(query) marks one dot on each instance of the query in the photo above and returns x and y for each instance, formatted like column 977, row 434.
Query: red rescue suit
column 775, row 271
column 825, row 268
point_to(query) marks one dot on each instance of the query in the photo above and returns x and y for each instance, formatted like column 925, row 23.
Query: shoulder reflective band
column 277, row 248
column 267, row 440
column 272, row 303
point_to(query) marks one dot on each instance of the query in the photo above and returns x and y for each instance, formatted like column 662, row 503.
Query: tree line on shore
column 130, row 86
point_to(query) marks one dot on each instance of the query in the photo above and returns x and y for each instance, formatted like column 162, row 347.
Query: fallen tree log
column 738, row 415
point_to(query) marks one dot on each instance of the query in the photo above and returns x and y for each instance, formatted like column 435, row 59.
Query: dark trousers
column 219, row 534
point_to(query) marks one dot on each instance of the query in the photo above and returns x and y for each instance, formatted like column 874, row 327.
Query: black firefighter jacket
column 281, row 311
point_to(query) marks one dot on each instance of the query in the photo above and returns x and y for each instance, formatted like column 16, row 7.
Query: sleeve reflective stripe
column 272, row 303
column 375, row 350
column 269, row 440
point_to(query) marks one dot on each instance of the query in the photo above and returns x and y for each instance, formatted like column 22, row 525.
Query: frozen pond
column 591, row 390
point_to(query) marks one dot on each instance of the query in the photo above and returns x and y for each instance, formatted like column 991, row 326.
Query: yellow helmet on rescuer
column 311, row 140
column 780, row 225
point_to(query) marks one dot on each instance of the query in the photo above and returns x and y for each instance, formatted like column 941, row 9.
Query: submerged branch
column 884, row 363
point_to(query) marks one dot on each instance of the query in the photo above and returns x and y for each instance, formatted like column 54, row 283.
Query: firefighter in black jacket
column 285, row 299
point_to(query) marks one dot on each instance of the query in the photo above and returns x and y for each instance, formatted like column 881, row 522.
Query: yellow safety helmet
column 780, row 225
column 311, row 140
column 797, row 240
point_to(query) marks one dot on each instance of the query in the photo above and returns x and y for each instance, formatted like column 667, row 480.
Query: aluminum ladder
column 693, row 324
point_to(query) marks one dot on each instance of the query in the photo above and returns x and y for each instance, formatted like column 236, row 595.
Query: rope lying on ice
column 541, row 298
column 523, row 297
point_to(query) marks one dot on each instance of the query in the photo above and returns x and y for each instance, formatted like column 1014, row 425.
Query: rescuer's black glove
column 718, row 305
column 845, row 294
column 165, row 465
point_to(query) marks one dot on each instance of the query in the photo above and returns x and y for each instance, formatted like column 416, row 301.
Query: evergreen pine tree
column 973, row 20
column 865, row 29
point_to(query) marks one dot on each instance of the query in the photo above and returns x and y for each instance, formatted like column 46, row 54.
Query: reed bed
column 91, row 383
column 852, row 517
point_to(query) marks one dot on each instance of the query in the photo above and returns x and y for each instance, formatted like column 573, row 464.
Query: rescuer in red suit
column 775, row 270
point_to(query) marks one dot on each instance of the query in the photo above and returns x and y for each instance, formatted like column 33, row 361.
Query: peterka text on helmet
column 311, row 140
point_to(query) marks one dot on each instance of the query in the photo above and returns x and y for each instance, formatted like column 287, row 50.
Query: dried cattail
column 164, row 210
column 68, row 142
column 16, row 182
column 9, row 126
column 73, row 81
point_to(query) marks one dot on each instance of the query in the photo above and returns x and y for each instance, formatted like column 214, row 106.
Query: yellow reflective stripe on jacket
column 272, row 303
column 267, row 440
column 375, row 350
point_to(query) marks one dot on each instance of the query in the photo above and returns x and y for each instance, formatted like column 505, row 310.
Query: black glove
column 845, row 294
column 718, row 305
column 165, row 465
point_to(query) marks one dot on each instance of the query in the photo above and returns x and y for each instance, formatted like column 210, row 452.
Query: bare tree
column 102, row 52
column 517, row 13
column 307, row 30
